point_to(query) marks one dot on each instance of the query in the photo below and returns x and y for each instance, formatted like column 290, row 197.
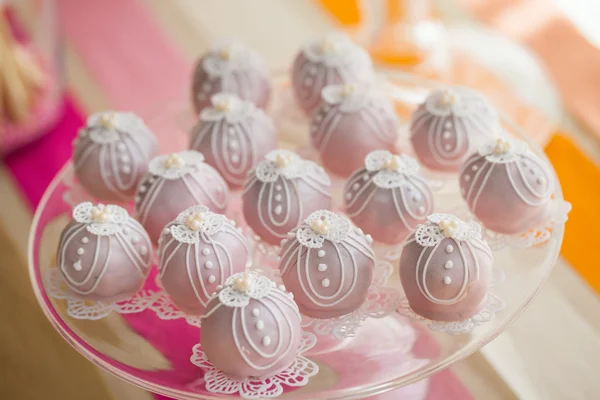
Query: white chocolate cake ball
column 251, row 327
column 352, row 121
column 388, row 197
column 103, row 253
column 446, row 269
column 328, row 265
column 198, row 251
column 281, row 192
column 234, row 136
column 230, row 67
column 334, row 60
column 450, row 125
column 507, row 186
column 111, row 155
column 175, row 182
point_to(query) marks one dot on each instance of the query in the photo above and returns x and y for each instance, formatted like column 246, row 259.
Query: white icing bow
column 195, row 220
column 457, row 100
column 283, row 163
column 323, row 225
column 243, row 286
column 175, row 165
column 228, row 107
column 350, row 97
column 104, row 127
column 391, row 169
column 336, row 50
column 441, row 226
column 229, row 56
column 503, row 150
column 101, row 220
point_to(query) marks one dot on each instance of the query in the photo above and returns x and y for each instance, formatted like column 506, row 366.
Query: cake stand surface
column 389, row 350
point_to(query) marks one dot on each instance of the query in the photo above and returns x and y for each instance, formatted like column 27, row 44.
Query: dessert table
column 515, row 365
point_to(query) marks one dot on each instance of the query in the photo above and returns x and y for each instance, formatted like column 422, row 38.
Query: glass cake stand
column 388, row 348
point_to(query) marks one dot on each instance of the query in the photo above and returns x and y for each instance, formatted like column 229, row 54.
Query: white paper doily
column 493, row 304
column 264, row 248
column 542, row 233
column 382, row 272
column 389, row 253
column 157, row 301
column 380, row 302
column 262, row 268
column 166, row 310
column 93, row 310
column 296, row 375
column 437, row 185
column 531, row 238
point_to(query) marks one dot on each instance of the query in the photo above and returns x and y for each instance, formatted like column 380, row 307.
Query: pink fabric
column 138, row 69
column 35, row 165
column 174, row 342
column 134, row 63
column 122, row 47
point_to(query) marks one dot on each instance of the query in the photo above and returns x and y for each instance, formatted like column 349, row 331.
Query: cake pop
column 332, row 61
column 251, row 327
column 328, row 265
column 446, row 269
column 234, row 136
column 103, row 253
column 173, row 183
column 198, row 251
column 230, row 67
column 450, row 125
column 352, row 121
column 111, row 154
column 388, row 197
column 281, row 191
column 507, row 186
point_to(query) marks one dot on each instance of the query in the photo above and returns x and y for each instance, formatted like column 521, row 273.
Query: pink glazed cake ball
column 111, row 155
column 198, row 251
column 333, row 61
column 232, row 68
column 328, row 265
column 352, row 121
column 174, row 183
column 507, row 186
column 251, row 327
column 103, row 253
column 450, row 125
column 388, row 197
column 281, row 192
column 446, row 269
column 234, row 136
